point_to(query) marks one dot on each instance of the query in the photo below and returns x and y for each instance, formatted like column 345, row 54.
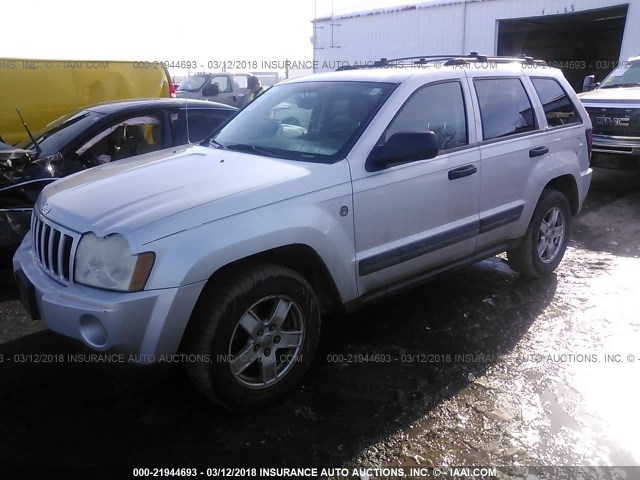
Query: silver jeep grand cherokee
column 231, row 251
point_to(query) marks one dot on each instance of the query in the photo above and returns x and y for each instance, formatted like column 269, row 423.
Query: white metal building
column 593, row 34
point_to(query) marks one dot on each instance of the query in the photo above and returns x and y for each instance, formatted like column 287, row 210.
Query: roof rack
column 447, row 60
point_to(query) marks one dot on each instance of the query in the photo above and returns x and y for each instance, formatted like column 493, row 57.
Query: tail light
column 589, row 133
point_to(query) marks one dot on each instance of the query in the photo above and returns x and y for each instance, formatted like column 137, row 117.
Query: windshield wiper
column 622, row 85
column 243, row 147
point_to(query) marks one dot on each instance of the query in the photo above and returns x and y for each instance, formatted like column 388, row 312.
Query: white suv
column 614, row 107
column 227, row 254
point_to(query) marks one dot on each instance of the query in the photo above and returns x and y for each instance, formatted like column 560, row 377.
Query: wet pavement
column 479, row 367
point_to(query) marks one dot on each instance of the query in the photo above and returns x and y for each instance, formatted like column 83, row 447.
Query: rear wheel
column 545, row 242
column 258, row 333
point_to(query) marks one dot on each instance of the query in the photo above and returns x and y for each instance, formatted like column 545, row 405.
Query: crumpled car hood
column 21, row 179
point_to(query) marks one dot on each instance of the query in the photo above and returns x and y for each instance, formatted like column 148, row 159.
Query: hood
column 608, row 95
column 186, row 94
column 130, row 194
column 9, row 151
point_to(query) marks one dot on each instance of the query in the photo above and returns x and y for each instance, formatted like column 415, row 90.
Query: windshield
column 193, row 84
column 627, row 75
column 312, row 121
column 57, row 134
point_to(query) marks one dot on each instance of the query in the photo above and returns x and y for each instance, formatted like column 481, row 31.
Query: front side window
column 127, row 138
column 309, row 121
column 505, row 108
column 556, row 104
column 439, row 108
column 193, row 84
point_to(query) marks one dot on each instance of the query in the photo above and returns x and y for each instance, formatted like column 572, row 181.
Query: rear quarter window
column 505, row 108
column 557, row 105
column 194, row 125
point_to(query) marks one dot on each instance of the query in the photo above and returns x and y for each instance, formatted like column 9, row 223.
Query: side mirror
column 211, row 90
column 403, row 148
column 589, row 83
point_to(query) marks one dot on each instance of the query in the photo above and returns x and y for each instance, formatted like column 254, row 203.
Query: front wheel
column 254, row 336
column 545, row 242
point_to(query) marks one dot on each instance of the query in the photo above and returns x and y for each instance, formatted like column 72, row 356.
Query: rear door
column 512, row 142
column 226, row 95
column 241, row 87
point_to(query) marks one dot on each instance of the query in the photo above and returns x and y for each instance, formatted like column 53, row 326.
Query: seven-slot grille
column 53, row 249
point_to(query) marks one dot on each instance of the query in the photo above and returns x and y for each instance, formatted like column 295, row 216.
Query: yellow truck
column 44, row 90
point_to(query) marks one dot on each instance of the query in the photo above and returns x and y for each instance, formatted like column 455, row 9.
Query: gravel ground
column 478, row 367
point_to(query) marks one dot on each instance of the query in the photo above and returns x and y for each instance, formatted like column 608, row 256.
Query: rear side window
column 241, row 80
column 439, row 108
column 223, row 84
column 557, row 106
column 505, row 107
column 193, row 126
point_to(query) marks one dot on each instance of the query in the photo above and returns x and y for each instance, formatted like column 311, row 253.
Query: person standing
column 255, row 89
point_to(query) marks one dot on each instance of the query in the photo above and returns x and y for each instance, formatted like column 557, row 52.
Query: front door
column 418, row 216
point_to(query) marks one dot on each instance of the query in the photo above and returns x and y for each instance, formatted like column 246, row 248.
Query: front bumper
column 145, row 325
column 14, row 224
column 620, row 153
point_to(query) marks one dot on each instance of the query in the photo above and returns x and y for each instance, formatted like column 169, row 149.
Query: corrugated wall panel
column 454, row 28
column 391, row 35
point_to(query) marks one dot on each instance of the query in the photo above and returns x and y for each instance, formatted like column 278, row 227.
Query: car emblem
column 46, row 208
column 615, row 121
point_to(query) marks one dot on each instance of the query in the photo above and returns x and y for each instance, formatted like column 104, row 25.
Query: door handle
column 462, row 172
column 538, row 152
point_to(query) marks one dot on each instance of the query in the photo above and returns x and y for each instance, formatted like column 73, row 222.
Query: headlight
column 107, row 262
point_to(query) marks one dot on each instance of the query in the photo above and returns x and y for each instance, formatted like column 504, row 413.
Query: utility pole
column 333, row 24
column 316, row 27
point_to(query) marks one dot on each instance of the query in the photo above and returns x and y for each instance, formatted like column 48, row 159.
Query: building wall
column 443, row 26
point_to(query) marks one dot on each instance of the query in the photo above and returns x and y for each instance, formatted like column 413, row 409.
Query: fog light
column 93, row 331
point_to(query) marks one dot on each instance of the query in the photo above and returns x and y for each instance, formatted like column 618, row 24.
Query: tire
column 544, row 244
column 254, row 353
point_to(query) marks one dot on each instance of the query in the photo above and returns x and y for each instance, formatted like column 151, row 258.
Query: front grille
column 620, row 122
column 53, row 248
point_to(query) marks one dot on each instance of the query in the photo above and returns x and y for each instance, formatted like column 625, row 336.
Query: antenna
column 186, row 115
column 186, row 119
column 33, row 140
